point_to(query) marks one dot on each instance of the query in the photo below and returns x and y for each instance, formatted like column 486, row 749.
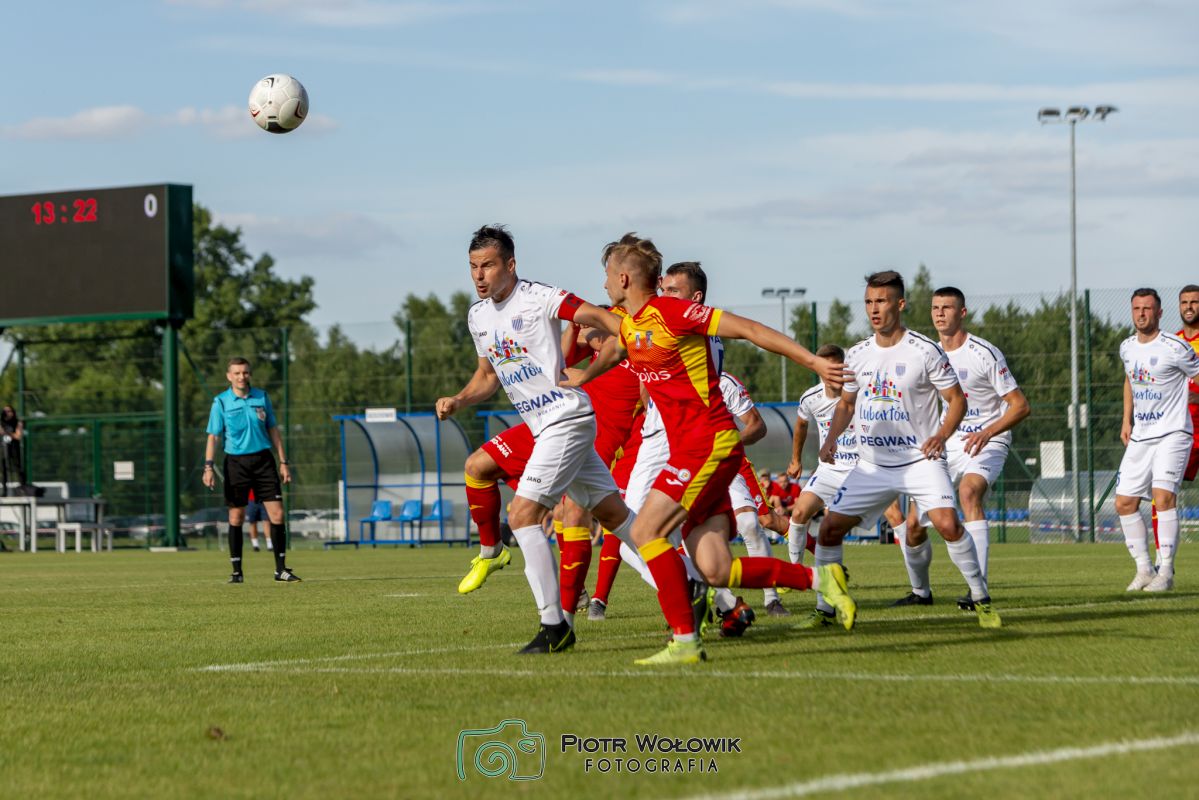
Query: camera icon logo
column 509, row 749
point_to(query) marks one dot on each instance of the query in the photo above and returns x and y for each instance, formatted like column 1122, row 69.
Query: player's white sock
column 824, row 557
column 918, row 560
column 980, row 532
column 541, row 572
column 632, row 557
column 490, row 550
column 797, row 541
column 1135, row 538
column 1167, row 540
column 901, row 533
column 756, row 545
column 965, row 558
column 724, row 599
column 269, row 544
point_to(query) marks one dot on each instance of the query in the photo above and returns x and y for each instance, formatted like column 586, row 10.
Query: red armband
column 569, row 307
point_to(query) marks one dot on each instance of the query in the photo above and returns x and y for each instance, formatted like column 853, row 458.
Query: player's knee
column 1126, row 505
column 717, row 573
column 481, row 466
column 747, row 526
column 833, row 530
column 1164, row 500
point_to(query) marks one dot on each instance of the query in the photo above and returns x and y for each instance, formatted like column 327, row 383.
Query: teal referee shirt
column 243, row 421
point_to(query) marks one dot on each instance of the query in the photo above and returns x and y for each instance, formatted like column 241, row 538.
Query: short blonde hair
column 638, row 256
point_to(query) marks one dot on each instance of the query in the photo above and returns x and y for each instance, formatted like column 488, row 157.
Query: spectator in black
column 12, row 429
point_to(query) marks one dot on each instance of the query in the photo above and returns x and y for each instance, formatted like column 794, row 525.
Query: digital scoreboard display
column 96, row 255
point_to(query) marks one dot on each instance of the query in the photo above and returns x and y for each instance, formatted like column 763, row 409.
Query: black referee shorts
column 251, row 471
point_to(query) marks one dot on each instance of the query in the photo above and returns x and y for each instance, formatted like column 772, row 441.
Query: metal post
column 170, row 383
column 26, row 450
column 1002, row 537
column 408, row 362
column 97, row 463
column 1090, row 413
column 1074, row 460
column 285, row 349
column 783, row 328
column 815, row 328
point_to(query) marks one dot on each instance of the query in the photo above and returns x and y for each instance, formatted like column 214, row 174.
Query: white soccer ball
column 278, row 103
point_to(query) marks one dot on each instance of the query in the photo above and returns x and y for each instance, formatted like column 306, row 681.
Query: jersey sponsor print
column 817, row 408
column 986, row 379
column 1158, row 372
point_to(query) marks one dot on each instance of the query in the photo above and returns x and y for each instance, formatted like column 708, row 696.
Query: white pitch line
column 705, row 673
column 924, row 772
column 404, row 595
column 255, row 666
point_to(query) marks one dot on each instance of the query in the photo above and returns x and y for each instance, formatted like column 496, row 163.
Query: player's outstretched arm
column 732, row 326
column 955, row 410
column 795, row 468
column 611, row 354
column 842, row 415
column 595, row 317
column 1017, row 410
column 480, row 387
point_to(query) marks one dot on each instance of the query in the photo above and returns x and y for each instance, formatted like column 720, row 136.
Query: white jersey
column 736, row 398
column 898, row 403
column 1158, row 371
column 985, row 378
column 817, row 407
column 522, row 338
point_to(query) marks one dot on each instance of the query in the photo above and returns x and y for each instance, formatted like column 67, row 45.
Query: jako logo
column 509, row 749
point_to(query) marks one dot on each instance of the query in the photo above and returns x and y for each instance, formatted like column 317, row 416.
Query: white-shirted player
column 517, row 330
column 816, row 407
column 978, row 449
column 1157, row 432
column 898, row 376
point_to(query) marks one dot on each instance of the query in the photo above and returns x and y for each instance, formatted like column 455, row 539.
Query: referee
column 244, row 417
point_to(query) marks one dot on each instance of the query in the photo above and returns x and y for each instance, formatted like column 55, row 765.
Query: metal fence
column 91, row 404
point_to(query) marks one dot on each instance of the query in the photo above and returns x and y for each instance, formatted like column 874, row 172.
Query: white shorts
column 651, row 458
column 564, row 461
column 826, row 480
column 989, row 463
column 869, row 489
column 739, row 494
column 1155, row 464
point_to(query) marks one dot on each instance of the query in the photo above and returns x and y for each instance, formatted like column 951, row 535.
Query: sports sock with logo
column 483, row 498
column 575, row 547
column 671, row 577
column 825, row 555
column 235, row 547
column 609, row 564
column 797, row 538
column 980, row 532
column 1135, row 537
column 756, row 573
column 279, row 538
column 757, row 545
column 541, row 572
column 965, row 558
column 1167, row 540
column 918, row 560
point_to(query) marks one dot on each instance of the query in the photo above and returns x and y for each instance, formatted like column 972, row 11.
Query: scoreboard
column 96, row 255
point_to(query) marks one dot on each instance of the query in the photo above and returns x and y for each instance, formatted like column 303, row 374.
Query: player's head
column 237, row 372
column 884, row 300
column 1146, row 310
column 631, row 263
column 492, row 261
column 1188, row 305
column 8, row 413
column 687, row 280
column 833, row 352
column 948, row 310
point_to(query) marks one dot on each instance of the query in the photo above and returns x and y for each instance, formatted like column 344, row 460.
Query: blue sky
column 781, row 142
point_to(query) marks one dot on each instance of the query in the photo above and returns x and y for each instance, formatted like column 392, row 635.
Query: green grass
column 102, row 692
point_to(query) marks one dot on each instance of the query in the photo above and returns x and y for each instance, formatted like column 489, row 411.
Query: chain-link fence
column 91, row 403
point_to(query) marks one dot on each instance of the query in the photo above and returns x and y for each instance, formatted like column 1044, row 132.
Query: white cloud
column 127, row 122
column 342, row 13
column 103, row 122
column 342, row 234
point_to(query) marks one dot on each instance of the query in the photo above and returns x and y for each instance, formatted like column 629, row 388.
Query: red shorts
column 510, row 449
column 609, row 441
column 698, row 478
column 623, row 467
column 750, row 475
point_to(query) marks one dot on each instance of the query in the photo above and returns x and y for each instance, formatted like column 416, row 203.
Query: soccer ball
column 278, row 103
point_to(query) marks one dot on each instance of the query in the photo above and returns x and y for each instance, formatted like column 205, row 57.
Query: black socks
column 235, row 545
column 279, row 540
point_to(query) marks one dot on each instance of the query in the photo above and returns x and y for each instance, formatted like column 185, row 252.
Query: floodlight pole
column 170, row 384
column 1073, row 116
column 783, row 293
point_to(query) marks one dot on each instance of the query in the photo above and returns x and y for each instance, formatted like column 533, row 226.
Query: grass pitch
column 144, row 675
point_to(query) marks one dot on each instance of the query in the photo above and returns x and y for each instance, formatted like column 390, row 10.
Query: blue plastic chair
column 410, row 515
column 380, row 512
column 441, row 511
